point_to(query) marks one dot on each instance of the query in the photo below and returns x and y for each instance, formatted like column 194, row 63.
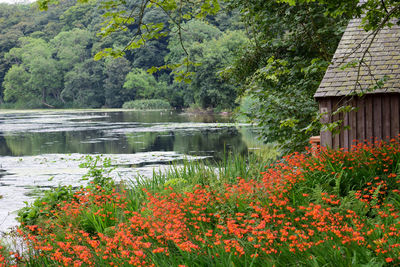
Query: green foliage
column 197, row 32
column 98, row 174
column 290, row 45
column 40, row 208
column 211, row 50
column 143, row 85
column 83, row 85
column 211, row 90
column 142, row 30
column 375, row 13
column 147, row 104
column 49, row 55
column 114, row 93
column 281, row 68
column 15, row 84
column 215, row 174
column 70, row 47
column 39, row 74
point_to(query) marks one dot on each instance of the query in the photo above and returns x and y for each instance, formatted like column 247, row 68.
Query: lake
column 43, row 149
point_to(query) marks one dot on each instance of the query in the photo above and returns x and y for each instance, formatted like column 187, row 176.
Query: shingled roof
column 381, row 61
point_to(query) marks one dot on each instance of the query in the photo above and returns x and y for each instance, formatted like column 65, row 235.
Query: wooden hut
column 347, row 82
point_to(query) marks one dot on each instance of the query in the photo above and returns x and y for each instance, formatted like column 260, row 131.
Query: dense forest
column 265, row 57
column 46, row 60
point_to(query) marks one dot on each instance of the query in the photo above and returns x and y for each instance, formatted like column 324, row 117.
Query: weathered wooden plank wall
column 377, row 117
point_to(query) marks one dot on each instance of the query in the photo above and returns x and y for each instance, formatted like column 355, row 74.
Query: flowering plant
column 324, row 208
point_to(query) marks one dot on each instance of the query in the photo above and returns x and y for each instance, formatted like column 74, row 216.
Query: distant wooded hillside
column 46, row 59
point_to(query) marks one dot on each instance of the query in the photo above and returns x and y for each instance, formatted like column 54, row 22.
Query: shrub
column 147, row 104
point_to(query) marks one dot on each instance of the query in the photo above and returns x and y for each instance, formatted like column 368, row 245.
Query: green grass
column 184, row 175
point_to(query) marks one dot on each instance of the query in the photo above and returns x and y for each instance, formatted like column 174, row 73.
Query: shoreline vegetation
column 196, row 111
column 147, row 104
column 329, row 207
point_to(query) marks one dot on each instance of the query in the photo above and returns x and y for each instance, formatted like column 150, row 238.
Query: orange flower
column 388, row 260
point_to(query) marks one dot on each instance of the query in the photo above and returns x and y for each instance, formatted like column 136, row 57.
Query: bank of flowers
column 331, row 208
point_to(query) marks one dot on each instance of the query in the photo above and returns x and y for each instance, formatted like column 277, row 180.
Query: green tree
column 15, row 84
column 35, row 56
column 375, row 13
column 114, row 92
column 84, row 85
column 143, row 85
column 45, row 78
column 8, row 40
column 211, row 91
column 196, row 32
column 290, row 49
column 152, row 53
column 80, row 16
column 212, row 51
column 71, row 47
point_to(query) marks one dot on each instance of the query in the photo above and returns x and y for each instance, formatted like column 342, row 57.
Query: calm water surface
column 43, row 149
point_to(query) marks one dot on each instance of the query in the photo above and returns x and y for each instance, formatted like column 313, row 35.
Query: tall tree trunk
column 44, row 99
